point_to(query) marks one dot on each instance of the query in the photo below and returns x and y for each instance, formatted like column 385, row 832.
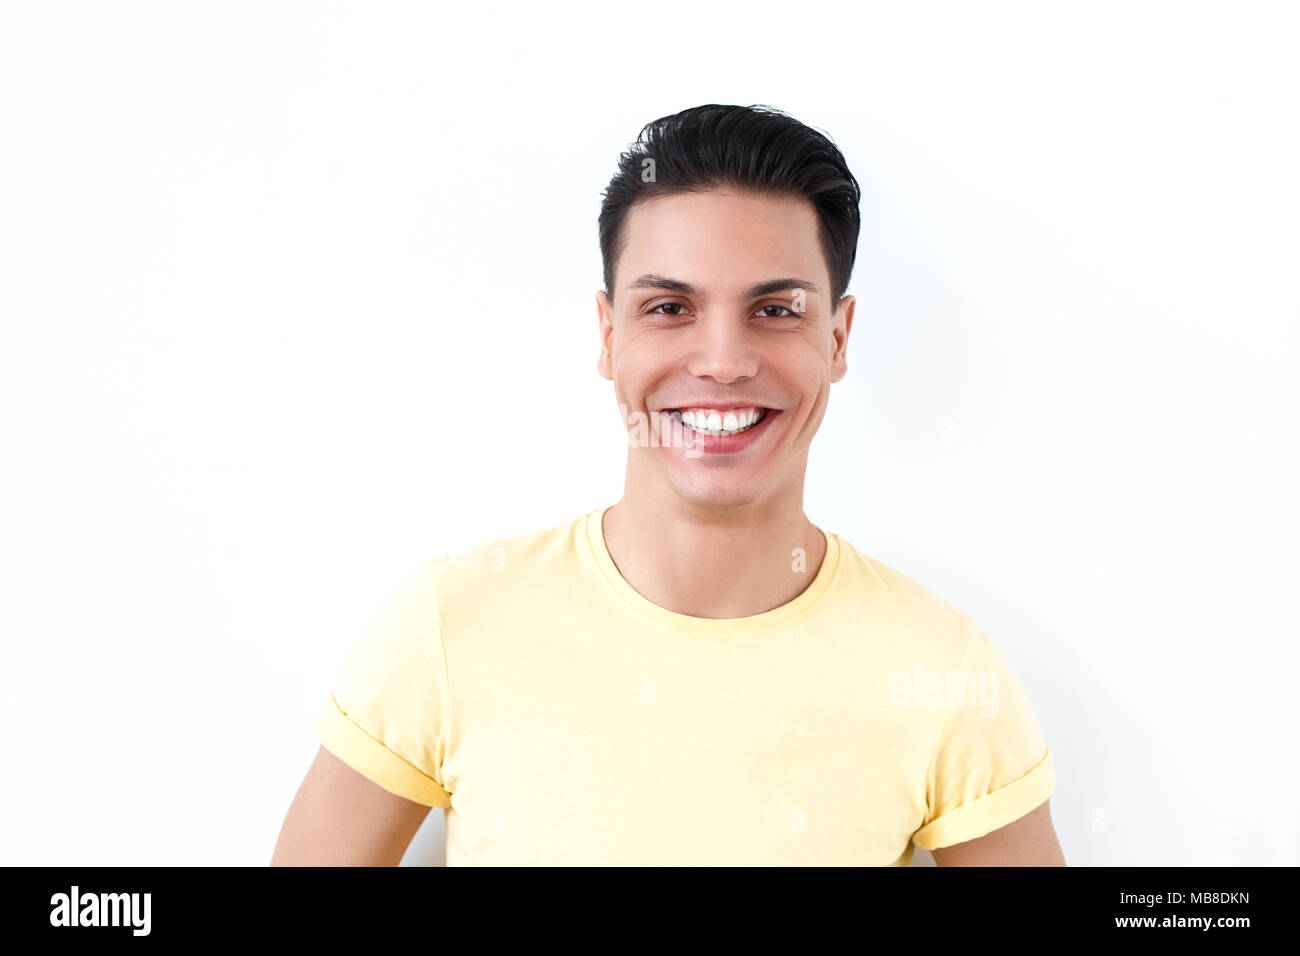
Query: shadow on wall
column 429, row 845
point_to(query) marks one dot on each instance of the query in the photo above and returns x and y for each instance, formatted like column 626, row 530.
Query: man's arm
column 1029, row 841
column 340, row 818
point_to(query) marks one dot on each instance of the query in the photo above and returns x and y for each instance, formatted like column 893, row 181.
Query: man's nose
column 724, row 349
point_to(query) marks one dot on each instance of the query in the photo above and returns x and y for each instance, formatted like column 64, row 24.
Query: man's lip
column 719, row 406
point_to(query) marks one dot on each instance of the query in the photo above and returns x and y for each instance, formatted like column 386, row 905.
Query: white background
column 253, row 254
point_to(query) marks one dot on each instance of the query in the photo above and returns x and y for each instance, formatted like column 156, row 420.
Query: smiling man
column 697, row 673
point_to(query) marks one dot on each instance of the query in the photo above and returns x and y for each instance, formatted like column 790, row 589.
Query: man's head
column 728, row 236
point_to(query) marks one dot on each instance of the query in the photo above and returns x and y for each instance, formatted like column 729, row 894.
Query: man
column 696, row 674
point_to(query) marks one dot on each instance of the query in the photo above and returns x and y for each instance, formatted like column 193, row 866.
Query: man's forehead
column 723, row 243
column 720, row 208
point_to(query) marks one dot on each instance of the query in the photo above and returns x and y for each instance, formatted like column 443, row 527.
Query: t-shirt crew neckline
column 729, row 628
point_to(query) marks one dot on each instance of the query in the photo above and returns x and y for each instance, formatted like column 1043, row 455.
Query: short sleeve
column 385, row 716
column 990, row 765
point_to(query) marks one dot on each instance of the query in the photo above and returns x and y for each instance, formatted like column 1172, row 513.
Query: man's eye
column 665, row 305
column 788, row 313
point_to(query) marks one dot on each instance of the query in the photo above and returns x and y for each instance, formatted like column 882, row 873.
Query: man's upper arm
column 340, row 818
column 990, row 767
column 383, row 732
column 1029, row 841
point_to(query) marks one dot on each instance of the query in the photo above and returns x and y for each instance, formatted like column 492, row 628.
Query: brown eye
column 788, row 313
column 664, row 305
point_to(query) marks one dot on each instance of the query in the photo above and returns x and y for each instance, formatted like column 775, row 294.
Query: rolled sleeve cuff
column 348, row 741
column 992, row 811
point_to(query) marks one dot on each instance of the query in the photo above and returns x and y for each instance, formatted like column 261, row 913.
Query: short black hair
column 755, row 149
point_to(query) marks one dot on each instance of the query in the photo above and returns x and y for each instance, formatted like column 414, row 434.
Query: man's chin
column 701, row 492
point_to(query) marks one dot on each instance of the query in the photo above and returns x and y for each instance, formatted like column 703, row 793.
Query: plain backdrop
column 253, row 254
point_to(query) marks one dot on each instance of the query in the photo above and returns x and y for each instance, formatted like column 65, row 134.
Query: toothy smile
column 710, row 421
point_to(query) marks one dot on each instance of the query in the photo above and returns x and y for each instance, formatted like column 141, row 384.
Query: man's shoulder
column 489, row 569
column 903, row 602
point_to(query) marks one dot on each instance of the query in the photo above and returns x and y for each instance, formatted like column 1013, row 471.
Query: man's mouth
column 717, row 423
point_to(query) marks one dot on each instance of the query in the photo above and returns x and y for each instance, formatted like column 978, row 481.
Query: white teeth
column 715, row 423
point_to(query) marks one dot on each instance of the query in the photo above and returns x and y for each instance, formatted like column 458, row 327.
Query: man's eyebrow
column 652, row 281
column 779, row 285
column 669, row 284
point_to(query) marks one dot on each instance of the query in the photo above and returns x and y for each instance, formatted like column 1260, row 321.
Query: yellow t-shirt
column 562, row 718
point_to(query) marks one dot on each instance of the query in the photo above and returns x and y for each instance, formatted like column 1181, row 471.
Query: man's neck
column 703, row 565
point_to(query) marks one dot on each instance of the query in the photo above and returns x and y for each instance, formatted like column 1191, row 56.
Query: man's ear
column 840, row 334
column 605, row 320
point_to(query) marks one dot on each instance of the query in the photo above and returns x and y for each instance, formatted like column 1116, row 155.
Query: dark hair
column 755, row 149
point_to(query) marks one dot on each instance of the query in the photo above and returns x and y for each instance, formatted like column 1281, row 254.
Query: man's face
column 688, row 328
